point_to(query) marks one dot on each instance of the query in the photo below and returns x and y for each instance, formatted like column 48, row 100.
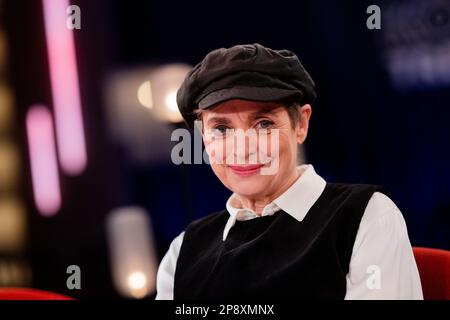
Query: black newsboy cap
column 249, row 72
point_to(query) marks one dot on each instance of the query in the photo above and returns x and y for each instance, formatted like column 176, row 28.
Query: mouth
column 246, row 170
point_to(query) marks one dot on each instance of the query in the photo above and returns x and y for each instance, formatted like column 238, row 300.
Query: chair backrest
column 30, row 294
column 434, row 270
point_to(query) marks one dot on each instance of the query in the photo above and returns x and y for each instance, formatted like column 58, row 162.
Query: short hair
column 293, row 113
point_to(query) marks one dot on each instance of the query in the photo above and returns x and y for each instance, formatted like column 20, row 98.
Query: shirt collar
column 295, row 201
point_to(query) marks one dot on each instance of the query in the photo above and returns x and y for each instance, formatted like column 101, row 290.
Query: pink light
column 65, row 89
column 44, row 167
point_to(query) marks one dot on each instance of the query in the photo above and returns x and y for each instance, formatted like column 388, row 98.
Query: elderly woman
column 286, row 233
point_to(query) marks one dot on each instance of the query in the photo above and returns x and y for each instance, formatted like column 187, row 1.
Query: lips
column 246, row 170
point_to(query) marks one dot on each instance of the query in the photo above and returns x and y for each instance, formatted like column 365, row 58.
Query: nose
column 245, row 146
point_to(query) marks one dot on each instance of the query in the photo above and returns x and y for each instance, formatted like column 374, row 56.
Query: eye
column 264, row 124
column 219, row 130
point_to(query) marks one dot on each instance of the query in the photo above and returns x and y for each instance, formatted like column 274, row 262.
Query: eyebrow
column 223, row 120
column 265, row 111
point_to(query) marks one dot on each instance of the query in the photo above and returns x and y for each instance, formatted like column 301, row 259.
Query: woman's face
column 252, row 145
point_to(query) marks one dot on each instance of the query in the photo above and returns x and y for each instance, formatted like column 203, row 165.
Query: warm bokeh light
column 9, row 166
column 133, row 259
column 14, row 273
column 145, row 94
column 137, row 281
column 137, row 115
column 171, row 100
column 165, row 83
column 44, row 168
column 65, row 88
column 6, row 108
column 12, row 225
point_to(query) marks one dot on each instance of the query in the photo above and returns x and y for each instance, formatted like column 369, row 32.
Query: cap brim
column 246, row 93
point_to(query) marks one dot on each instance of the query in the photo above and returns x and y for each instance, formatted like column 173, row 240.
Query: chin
column 249, row 187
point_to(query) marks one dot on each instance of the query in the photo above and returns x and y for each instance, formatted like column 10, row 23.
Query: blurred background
column 87, row 109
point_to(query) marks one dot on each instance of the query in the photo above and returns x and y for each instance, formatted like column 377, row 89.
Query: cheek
column 218, row 170
column 288, row 150
column 278, row 146
column 216, row 150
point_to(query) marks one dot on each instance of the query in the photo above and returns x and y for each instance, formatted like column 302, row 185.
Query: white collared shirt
column 382, row 264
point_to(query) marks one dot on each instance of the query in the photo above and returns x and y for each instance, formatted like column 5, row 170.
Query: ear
column 301, row 130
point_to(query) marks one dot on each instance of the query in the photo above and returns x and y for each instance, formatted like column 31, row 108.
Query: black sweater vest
column 274, row 257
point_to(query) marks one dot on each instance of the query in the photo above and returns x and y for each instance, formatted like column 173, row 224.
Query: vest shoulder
column 216, row 218
column 357, row 187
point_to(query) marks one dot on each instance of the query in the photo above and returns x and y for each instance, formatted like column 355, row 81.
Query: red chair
column 434, row 270
column 30, row 294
